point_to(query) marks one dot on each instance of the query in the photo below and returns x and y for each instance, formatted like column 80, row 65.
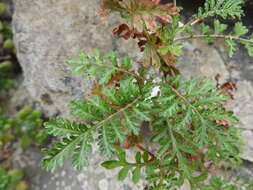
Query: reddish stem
column 145, row 150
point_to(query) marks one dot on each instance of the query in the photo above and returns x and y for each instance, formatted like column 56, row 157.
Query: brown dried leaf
column 123, row 28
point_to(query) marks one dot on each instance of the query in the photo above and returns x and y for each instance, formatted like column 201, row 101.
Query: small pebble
column 103, row 184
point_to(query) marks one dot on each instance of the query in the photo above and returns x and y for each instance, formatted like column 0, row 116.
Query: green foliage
column 231, row 184
column 113, row 117
column 190, row 129
column 6, row 51
column 184, row 119
column 219, row 31
column 2, row 8
column 5, row 81
column 223, row 8
column 231, row 47
column 25, row 127
column 96, row 64
column 205, row 29
column 219, row 27
column 185, row 126
column 12, row 180
column 127, row 167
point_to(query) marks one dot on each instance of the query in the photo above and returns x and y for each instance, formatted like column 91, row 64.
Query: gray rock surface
column 47, row 32
column 247, row 154
column 201, row 60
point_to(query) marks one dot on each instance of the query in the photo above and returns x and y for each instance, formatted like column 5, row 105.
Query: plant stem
column 213, row 36
column 145, row 150
column 191, row 23
column 113, row 115
column 175, row 3
column 118, row 112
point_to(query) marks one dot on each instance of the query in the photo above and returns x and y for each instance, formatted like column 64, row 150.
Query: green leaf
column 121, row 154
column 26, row 141
column 16, row 175
column 231, row 47
column 62, row 127
column 142, row 115
column 164, row 49
column 164, row 147
column 219, row 27
column 176, row 49
column 205, row 29
column 249, row 48
column 107, row 77
column 127, row 62
column 225, row 9
column 112, row 56
column 187, row 149
column 136, row 175
column 24, row 113
column 159, row 135
column 80, row 157
column 119, row 131
column 106, row 142
column 132, row 125
column 171, row 110
column 189, row 30
column 239, row 29
column 56, row 156
column 211, row 99
column 97, row 66
column 3, row 8
column 138, row 157
column 96, row 54
column 145, row 156
column 222, row 116
column 123, row 173
column 199, row 178
column 111, row 164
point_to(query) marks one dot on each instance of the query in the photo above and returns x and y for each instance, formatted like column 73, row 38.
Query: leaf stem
column 118, row 112
column 191, row 23
column 175, row 3
column 145, row 150
column 225, row 37
column 184, row 99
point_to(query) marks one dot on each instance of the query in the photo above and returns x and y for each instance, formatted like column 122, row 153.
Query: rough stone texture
column 242, row 105
column 46, row 34
column 201, row 60
column 92, row 178
column 248, row 149
column 50, row 31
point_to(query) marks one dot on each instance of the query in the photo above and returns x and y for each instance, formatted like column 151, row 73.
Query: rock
column 246, row 171
column 247, row 154
column 242, row 104
column 48, row 32
column 201, row 60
